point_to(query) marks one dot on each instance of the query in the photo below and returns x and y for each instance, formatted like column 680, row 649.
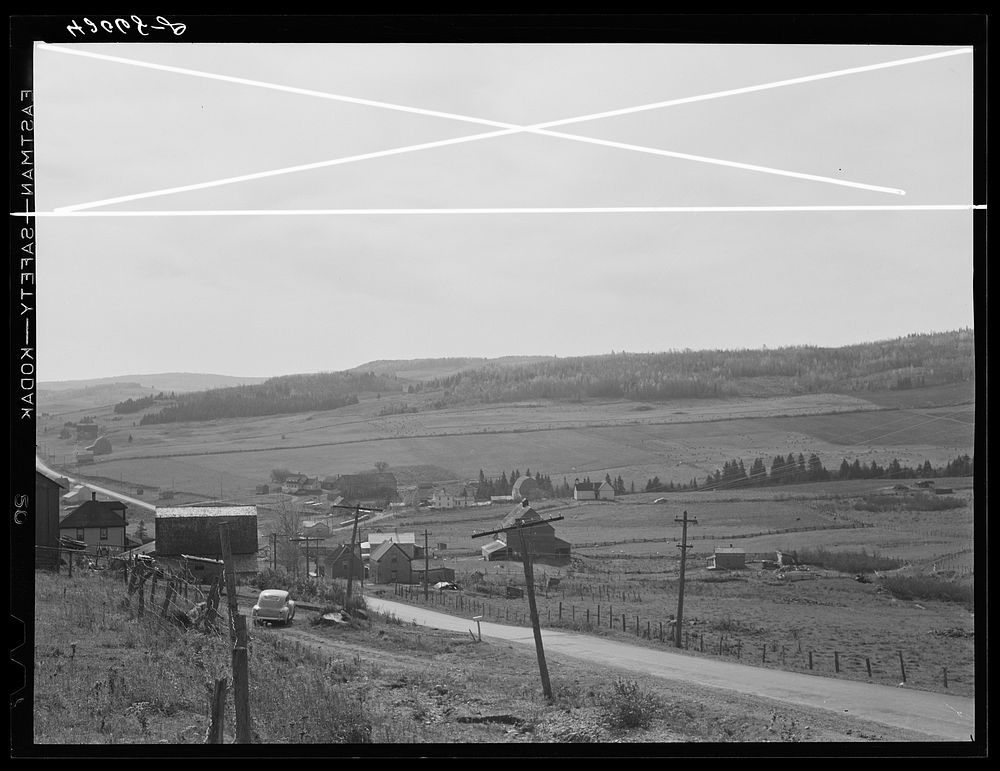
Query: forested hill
column 276, row 396
column 914, row 361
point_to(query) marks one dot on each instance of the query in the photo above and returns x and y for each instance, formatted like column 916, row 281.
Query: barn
column 47, row 491
column 193, row 531
column 541, row 539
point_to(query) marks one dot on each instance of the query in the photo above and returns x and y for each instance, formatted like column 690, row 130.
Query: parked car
column 661, row 500
column 274, row 606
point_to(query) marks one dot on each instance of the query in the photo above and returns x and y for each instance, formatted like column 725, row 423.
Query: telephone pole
column 683, row 546
column 354, row 534
column 529, row 579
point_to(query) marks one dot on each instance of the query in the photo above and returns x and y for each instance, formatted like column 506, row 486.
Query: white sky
column 268, row 295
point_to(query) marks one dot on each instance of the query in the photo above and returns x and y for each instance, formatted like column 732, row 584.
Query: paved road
column 939, row 716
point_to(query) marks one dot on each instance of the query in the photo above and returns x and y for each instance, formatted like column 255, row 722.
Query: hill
column 423, row 370
column 178, row 382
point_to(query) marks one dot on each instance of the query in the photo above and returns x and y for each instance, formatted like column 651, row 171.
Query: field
column 625, row 555
column 676, row 442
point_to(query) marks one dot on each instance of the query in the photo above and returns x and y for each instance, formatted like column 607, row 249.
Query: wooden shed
column 728, row 558
column 194, row 531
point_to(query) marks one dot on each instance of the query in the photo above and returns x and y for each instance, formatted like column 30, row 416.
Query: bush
column 629, row 706
column 916, row 502
column 928, row 588
column 846, row 561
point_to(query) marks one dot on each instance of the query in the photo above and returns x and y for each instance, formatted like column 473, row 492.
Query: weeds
column 629, row 706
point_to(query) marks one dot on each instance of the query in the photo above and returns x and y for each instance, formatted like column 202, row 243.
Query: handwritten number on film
column 124, row 26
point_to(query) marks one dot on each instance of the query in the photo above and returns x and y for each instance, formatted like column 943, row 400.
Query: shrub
column 629, row 706
column 928, row 588
column 846, row 561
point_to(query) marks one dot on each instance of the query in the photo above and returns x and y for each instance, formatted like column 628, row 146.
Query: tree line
column 908, row 362
column 275, row 396
column 790, row 469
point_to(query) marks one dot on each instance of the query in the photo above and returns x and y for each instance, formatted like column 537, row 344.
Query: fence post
column 588, row 616
column 241, row 681
column 902, row 666
column 763, row 653
column 944, row 672
column 836, row 662
column 868, row 666
column 598, row 615
column 647, row 630
column 661, row 631
column 810, row 659
column 167, row 598
column 142, row 596
column 218, row 712
column 560, row 610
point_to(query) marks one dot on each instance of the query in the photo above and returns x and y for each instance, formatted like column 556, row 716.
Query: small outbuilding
column 728, row 558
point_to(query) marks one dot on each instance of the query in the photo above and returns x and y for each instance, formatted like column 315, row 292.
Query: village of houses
column 74, row 520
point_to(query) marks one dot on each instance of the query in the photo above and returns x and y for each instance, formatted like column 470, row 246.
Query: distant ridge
column 430, row 369
column 178, row 382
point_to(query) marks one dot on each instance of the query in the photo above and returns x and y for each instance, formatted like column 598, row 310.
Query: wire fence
column 879, row 664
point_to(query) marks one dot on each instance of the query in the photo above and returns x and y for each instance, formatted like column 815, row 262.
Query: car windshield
column 272, row 600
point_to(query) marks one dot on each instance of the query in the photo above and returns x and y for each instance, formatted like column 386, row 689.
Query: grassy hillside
column 102, row 675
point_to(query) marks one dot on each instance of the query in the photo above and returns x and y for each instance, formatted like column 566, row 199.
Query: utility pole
column 354, row 535
column 529, row 579
column 683, row 546
column 426, row 565
column 307, row 539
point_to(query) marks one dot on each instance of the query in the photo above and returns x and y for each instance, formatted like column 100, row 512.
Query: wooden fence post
column 902, row 666
column 560, row 610
column 218, row 713
column 944, row 673
column 836, row 662
column 166, row 600
column 868, row 666
column 241, row 681
column 142, row 596
column 810, row 659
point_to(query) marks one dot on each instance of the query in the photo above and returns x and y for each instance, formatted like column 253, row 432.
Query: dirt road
column 939, row 716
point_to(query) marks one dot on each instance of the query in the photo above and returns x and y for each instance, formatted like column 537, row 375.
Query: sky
column 260, row 294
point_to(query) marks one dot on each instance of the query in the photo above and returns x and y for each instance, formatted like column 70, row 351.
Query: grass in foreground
column 105, row 676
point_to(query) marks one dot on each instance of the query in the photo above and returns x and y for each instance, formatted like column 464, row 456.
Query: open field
column 676, row 442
